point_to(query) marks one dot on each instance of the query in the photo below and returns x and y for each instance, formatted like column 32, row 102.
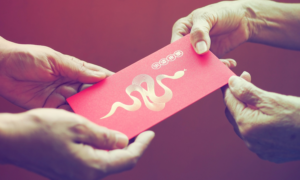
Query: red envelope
column 152, row 89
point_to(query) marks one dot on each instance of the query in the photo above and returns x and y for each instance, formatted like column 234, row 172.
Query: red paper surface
column 189, row 78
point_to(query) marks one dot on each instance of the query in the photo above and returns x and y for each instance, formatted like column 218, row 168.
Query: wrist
column 273, row 23
column 255, row 14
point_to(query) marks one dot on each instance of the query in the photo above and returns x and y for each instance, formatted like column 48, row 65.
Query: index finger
column 90, row 66
column 181, row 28
column 203, row 21
column 125, row 159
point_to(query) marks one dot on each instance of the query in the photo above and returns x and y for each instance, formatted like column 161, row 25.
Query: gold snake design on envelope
column 157, row 103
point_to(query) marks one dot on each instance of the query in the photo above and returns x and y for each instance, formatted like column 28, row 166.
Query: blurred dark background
column 196, row 143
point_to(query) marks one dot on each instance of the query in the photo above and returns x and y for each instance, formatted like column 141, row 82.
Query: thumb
column 81, row 71
column 202, row 24
column 99, row 137
column 245, row 91
column 233, row 106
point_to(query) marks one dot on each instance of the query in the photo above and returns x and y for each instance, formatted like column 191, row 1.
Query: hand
column 64, row 146
column 269, row 123
column 219, row 27
column 34, row 76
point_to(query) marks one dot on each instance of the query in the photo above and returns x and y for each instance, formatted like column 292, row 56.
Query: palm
column 230, row 30
column 28, row 94
column 37, row 76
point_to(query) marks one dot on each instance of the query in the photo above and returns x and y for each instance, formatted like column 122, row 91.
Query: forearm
column 7, row 121
column 4, row 126
column 273, row 23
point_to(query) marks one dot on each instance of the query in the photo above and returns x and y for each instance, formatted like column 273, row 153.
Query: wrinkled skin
column 55, row 143
column 35, row 76
column 222, row 26
column 269, row 123
column 64, row 146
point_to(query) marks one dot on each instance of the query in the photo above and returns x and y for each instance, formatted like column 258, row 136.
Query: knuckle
column 32, row 115
column 132, row 162
column 244, row 127
column 251, row 94
column 178, row 22
column 107, row 137
column 38, row 115
column 247, row 92
column 196, row 31
column 249, row 134
column 208, row 16
column 182, row 26
column 240, row 120
column 82, row 66
column 244, row 91
column 79, row 129
column 204, row 15
column 79, row 126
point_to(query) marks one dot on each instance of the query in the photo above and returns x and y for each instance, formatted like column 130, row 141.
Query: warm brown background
column 196, row 143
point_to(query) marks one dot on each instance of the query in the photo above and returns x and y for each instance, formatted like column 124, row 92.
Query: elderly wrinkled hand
column 223, row 26
column 61, row 145
column 269, row 123
column 219, row 27
column 35, row 76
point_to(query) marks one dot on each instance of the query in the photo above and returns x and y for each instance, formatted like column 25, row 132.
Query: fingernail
column 233, row 81
column 121, row 141
column 227, row 63
column 201, row 47
column 233, row 62
column 244, row 72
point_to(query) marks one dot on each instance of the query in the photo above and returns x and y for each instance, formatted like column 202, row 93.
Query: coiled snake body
column 157, row 104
